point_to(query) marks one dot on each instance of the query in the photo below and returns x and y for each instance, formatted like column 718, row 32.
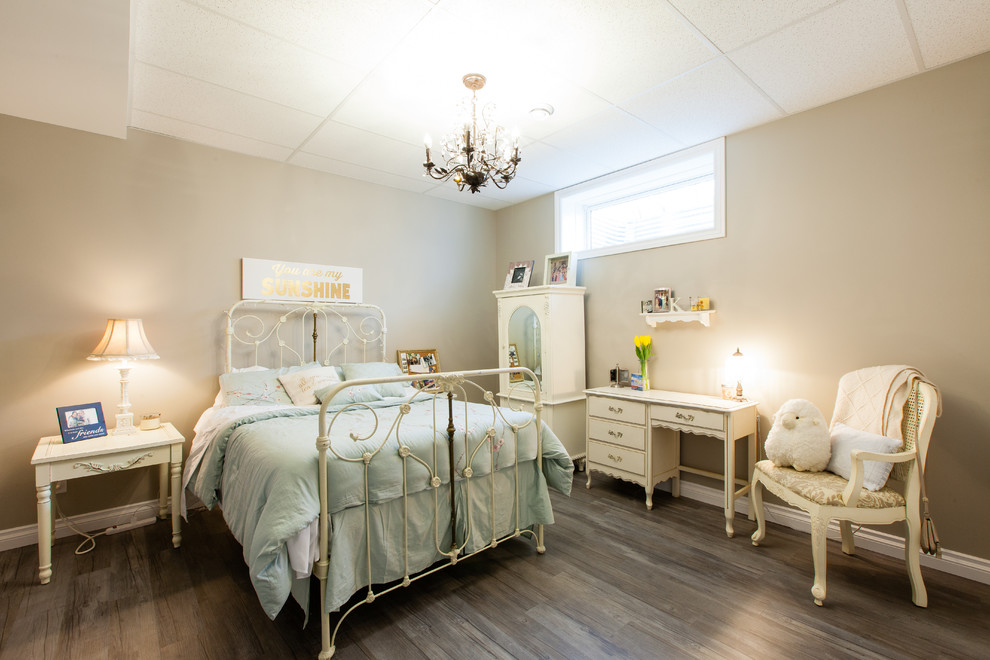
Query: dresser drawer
column 619, row 458
column 617, row 433
column 632, row 412
column 702, row 419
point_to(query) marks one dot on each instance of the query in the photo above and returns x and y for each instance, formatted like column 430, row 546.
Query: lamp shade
column 124, row 339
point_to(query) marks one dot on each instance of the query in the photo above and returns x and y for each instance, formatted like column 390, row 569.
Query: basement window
column 679, row 198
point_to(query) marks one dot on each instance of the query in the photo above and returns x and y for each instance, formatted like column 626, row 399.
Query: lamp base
column 125, row 424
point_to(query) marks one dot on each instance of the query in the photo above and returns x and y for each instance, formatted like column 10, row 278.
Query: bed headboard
column 274, row 334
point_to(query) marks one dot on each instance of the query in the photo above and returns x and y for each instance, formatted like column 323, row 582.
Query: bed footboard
column 461, row 457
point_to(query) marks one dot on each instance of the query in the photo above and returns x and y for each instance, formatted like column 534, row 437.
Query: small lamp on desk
column 124, row 340
column 735, row 372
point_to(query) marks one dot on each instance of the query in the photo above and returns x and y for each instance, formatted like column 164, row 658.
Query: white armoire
column 542, row 328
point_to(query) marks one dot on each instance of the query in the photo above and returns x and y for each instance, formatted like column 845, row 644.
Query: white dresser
column 622, row 442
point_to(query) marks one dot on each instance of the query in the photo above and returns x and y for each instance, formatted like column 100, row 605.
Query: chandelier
column 474, row 153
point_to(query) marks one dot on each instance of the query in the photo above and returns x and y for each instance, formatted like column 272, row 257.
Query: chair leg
column 912, row 555
column 819, row 535
column 848, row 544
column 756, row 505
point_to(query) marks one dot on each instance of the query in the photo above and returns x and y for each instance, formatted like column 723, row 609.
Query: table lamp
column 735, row 372
column 124, row 340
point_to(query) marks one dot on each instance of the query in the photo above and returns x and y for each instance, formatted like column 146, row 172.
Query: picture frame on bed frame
column 419, row 361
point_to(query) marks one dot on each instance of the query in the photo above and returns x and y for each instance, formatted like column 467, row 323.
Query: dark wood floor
column 617, row 581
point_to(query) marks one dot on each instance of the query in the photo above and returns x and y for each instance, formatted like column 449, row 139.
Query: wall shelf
column 704, row 317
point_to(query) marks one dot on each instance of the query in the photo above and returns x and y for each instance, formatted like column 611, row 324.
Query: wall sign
column 287, row 280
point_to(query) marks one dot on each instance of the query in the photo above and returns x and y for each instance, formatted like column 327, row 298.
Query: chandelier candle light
column 644, row 349
column 473, row 155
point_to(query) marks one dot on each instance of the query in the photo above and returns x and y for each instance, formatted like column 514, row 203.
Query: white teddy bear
column 799, row 437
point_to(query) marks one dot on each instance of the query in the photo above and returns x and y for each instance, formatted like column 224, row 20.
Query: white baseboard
column 96, row 521
column 955, row 563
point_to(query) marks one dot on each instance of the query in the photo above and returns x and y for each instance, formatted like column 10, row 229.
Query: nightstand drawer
column 632, row 412
column 701, row 419
column 118, row 462
column 617, row 433
column 620, row 458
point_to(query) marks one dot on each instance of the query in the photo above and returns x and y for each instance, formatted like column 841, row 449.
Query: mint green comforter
column 262, row 469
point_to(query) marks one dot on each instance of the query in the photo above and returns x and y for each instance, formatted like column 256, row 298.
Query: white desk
column 54, row 461
column 622, row 444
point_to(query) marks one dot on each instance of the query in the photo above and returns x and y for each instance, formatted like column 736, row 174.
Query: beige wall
column 151, row 227
column 857, row 235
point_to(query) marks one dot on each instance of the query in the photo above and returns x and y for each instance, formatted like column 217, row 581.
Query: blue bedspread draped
column 262, row 470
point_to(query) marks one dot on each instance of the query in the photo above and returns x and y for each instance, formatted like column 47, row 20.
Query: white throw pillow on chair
column 845, row 439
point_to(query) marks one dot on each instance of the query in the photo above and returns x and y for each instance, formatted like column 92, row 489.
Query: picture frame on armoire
column 520, row 272
column 560, row 270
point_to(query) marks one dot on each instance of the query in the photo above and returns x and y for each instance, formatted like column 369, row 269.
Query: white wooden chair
column 826, row 496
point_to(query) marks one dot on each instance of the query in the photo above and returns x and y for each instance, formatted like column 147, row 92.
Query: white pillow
column 302, row 385
column 845, row 439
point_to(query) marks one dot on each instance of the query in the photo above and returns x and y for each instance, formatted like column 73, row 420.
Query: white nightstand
column 54, row 461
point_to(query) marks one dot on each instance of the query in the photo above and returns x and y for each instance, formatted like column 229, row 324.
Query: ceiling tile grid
column 350, row 87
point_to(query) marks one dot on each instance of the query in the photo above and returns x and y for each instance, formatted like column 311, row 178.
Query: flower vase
column 646, row 375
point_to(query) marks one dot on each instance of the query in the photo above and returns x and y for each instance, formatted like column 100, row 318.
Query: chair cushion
column 826, row 488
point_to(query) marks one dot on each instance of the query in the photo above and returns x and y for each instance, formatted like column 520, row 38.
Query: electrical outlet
column 60, row 486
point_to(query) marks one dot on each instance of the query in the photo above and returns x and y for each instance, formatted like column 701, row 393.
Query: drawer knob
column 615, row 434
column 617, row 459
column 687, row 418
column 617, row 411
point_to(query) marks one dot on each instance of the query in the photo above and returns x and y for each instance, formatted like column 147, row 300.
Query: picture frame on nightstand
column 81, row 422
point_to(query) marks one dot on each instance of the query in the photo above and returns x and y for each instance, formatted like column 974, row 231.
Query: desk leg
column 45, row 533
column 729, row 480
column 675, row 481
column 163, row 491
column 176, row 500
column 749, row 471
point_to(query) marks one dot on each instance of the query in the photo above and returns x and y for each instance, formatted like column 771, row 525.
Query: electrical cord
column 89, row 539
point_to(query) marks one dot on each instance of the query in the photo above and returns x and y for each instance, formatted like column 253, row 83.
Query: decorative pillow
column 356, row 370
column 218, row 402
column 355, row 394
column 845, row 439
column 253, row 388
column 302, row 385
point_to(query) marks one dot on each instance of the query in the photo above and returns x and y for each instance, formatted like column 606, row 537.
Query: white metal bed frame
column 344, row 324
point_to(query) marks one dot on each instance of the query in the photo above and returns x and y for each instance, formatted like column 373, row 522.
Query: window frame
column 595, row 189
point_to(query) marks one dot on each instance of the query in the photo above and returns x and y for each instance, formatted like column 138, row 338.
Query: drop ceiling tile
column 352, row 171
column 614, row 138
column 950, row 30
column 193, row 101
column 357, row 33
column 709, row 102
column 451, row 193
column 558, row 169
column 846, row 49
column 185, row 39
column 208, row 136
column 351, row 145
column 732, row 23
column 614, row 49
column 403, row 98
